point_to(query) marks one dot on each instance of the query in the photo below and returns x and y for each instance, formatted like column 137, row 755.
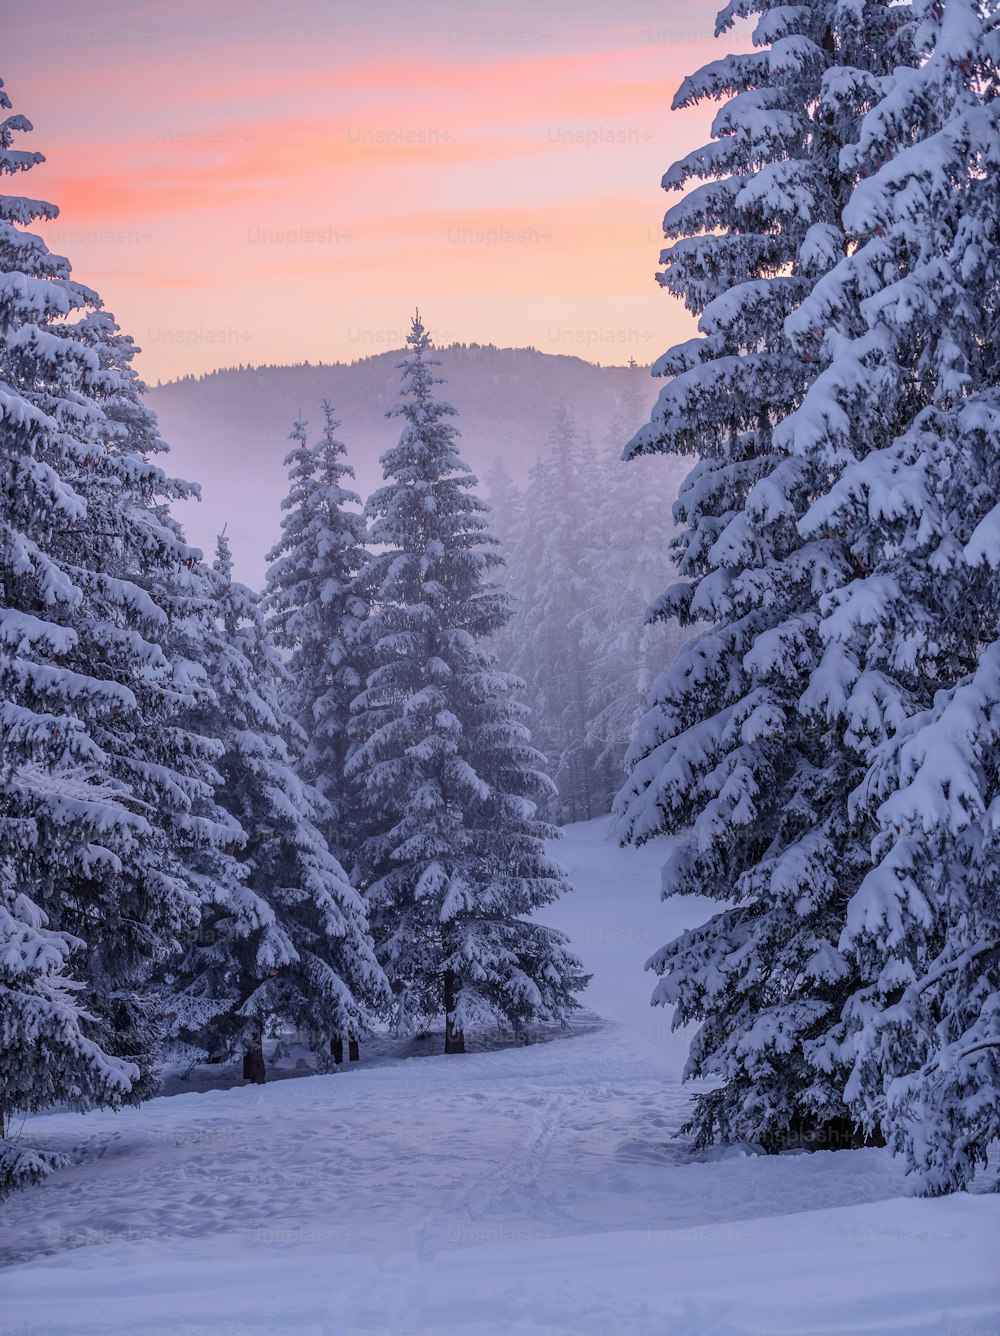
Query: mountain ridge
column 228, row 429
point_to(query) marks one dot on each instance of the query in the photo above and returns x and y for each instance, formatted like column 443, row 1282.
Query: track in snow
column 535, row 1190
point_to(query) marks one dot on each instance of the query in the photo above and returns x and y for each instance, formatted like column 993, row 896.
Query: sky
column 274, row 182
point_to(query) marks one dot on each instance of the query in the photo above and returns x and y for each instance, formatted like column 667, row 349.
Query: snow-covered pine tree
column 547, row 638
column 47, row 1051
column 584, row 546
column 285, row 938
column 443, row 758
column 754, row 789
column 627, row 543
column 314, row 606
column 98, row 782
column 506, row 500
column 562, row 502
column 905, row 419
column 148, row 580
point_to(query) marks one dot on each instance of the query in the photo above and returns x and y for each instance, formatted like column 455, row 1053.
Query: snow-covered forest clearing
column 528, row 1189
column 524, row 860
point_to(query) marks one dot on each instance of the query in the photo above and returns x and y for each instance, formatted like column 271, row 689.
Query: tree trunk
column 337, row 1049
column 353, row 1053
column 586, row 760
column 610, row 786
column 253, row 1061
column 454, row 1040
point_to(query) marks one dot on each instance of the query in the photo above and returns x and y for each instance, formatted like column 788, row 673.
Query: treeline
column 224, row 813
column 586, row 541
column 192, row 377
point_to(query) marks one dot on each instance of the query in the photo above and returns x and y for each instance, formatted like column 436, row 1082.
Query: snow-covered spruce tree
column 97, row 782
column 47, row 1052
column 545, row 642
column 314, row 607
column 286, row 937
column 907, row 412
column 562, row 501
column 627, row 544
column 754, row 788
column 584, row 548
column 443, row 759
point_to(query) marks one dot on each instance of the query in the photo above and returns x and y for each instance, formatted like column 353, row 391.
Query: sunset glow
column 259, row 184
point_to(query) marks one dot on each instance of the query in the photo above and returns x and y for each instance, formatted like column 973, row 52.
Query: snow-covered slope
column 529, row 1190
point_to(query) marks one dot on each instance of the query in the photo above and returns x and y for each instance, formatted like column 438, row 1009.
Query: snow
column 519, row 1190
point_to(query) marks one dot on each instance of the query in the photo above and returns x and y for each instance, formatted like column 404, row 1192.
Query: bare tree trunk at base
column 337, row 1049
column 253, row 1061
column 454, row 1040
column 353, row 1053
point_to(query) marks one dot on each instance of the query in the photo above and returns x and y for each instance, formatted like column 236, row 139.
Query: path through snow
column 534, row 1190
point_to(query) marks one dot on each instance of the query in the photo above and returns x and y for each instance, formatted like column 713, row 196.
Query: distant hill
column 228, row 430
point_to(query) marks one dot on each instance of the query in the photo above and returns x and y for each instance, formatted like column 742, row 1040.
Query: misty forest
column 497, row 841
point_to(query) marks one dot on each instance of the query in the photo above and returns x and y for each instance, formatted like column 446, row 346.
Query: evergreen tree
column 730, row 758
column 506, row 500
column 548, row 533
column 314, row 606
column 167, row 760
column 627, row 541
column 285, row 938
column 564, row 498
column 543, row 642
column 904, row 417
column 98, row 782
column 46, row 1047
column 443, row 758
column 47, row 1051
column 584, row 546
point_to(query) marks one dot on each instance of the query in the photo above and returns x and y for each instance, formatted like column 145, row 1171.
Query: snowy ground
column 528, row 1190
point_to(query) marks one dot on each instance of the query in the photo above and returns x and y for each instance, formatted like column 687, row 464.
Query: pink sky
column 274, row 182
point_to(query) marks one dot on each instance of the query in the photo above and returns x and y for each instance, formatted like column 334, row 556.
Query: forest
column 285, row 780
